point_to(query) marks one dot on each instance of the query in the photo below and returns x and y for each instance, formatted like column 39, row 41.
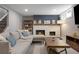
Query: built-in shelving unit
column 27, row 25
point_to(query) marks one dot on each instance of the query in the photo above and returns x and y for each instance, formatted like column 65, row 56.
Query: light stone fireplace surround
column 48, row 28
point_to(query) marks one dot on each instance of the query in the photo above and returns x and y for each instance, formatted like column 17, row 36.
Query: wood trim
column 46, row 24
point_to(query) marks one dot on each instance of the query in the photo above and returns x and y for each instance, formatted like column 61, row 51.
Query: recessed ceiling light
column 26, row 10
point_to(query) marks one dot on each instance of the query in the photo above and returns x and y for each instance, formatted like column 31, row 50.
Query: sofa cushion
column 12, row 40
column 15, row 34
column 21, row 46
column 25, row 33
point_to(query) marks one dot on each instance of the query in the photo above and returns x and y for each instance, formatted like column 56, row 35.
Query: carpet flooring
column 39, row 48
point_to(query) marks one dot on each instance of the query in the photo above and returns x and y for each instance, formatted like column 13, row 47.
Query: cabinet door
column 73, row 43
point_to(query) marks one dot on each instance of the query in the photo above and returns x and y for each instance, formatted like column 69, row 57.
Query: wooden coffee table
column 55, row 43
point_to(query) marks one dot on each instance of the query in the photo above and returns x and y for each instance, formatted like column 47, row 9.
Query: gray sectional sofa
column 21, row 47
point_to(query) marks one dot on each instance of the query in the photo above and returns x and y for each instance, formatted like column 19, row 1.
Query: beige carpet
column 39, row 49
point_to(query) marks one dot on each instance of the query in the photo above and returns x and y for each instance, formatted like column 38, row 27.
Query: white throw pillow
column 2, row 38
column 20, row 34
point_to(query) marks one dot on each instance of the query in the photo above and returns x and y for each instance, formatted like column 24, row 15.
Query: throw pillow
column 25, row 33
column 2, row 38
column 20, row 34
column 12, row 40
column 15, row 34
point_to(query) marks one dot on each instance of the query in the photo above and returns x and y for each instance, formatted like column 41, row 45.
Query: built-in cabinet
column 73, row 42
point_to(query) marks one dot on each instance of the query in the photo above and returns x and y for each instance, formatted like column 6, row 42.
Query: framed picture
column 39, row 21
column 35, row 22
column 54, row 22
column 46, row 21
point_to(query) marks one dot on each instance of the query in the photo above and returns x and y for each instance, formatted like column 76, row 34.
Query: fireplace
column 52, row 33
column 40, row 32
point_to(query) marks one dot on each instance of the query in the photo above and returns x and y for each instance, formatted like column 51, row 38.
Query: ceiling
column 39, row 9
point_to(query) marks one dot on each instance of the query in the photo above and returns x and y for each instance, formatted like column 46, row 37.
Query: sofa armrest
column 4, row 47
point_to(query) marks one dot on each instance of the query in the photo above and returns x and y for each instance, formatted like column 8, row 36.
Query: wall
column 14, row 22
column 68, row 23
column 41, row 17
column 46, row 17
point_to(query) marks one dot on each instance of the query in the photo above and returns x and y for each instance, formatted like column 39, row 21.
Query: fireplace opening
column 52, row 33
column 40, row 32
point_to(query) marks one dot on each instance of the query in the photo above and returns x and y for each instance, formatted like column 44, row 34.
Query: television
column 76, row 14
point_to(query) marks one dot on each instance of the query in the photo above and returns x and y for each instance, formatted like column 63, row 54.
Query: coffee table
column 55, row 43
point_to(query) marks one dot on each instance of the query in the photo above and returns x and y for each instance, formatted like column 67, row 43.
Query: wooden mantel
column 47, row 24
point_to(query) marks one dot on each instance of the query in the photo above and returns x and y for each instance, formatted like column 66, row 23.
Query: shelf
column 46, row 24
column 28, row 24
